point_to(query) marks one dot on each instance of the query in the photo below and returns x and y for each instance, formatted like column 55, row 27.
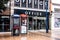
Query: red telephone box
column 23, row 23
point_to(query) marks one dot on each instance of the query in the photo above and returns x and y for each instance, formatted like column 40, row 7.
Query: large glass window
column 41, row 24
column 17, row 3
column 35, row 3
column 4, row 24
column 30, row 3
column 23, row 3
column 40, row 4
column 36, row 23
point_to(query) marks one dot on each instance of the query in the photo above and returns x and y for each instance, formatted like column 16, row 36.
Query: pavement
column 37, row 35
column 55, row 34
column 28, row 36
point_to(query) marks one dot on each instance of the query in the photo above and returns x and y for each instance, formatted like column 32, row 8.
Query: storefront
column 36, row 19
column 4, row 23
column 36, row 11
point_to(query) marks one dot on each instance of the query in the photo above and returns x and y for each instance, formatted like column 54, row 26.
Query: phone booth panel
column 23, row 18
column 16, row 24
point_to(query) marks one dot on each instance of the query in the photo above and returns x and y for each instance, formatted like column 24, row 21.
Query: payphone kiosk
column 16, row 24
column 23, row 18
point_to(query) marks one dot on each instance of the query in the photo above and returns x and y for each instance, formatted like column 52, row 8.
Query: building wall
column 55, row 4
column 55, row 7
column 56, row 1
column 18, row 5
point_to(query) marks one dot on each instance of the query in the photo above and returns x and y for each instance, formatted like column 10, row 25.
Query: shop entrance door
column 37, row 23
column 30, row 23
column 41, row 24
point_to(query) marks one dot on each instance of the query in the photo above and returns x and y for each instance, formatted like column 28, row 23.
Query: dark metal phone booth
column 16, row 25
column 23, row 23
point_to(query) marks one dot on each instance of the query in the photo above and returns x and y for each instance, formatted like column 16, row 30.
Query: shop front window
column 41, row 24
column 4, row 24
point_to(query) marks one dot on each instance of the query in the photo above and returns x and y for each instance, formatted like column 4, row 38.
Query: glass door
column 30, row 23
column 35, row 24
column 41, row 24
column 38, row 24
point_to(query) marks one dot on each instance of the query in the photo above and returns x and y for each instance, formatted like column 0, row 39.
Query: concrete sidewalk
column 29, row 36
column 5, row 33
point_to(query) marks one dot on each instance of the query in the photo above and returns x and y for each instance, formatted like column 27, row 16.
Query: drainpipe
column 46, row 16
